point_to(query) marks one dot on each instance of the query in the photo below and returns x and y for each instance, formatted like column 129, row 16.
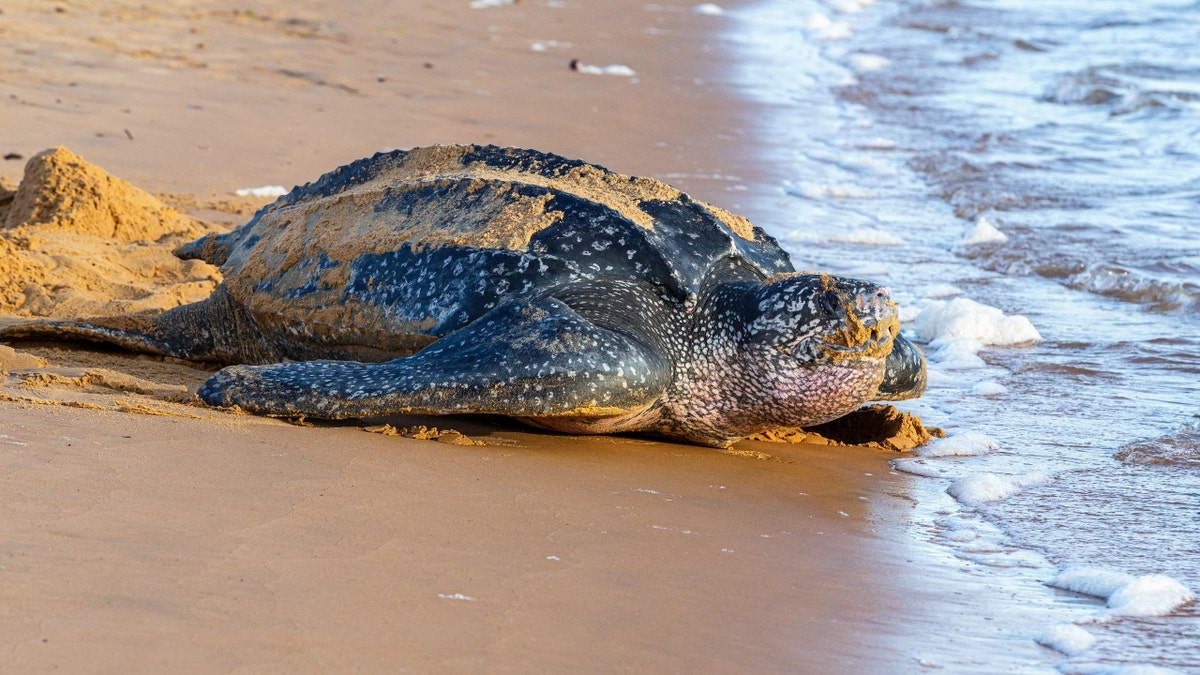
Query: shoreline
column 240, row 542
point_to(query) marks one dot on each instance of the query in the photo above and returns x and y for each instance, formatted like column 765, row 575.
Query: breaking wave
column 1181, row 448
column 1128, row 88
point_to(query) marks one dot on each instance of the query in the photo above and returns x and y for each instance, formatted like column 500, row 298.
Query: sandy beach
column 144, row 532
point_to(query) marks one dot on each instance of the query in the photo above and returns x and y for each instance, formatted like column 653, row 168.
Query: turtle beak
column 871, row 321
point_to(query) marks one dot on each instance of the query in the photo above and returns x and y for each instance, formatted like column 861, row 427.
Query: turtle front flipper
column 529, row 359
column 905, row 375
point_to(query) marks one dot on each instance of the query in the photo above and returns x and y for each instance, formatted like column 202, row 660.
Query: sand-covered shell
column 408, row 246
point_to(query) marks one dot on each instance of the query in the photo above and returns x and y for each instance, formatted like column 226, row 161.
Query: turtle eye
column 829, row 303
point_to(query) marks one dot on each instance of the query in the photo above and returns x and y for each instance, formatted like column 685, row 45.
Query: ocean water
column 1025, row 177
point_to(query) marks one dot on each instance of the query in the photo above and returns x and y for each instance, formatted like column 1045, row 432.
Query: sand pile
column 105, row 243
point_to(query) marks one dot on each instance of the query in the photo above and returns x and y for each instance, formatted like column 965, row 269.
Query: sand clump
column 875, row 426
column 104, row 243
column 11, row 359
column 421, row 432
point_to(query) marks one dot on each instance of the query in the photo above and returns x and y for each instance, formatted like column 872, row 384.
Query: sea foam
column 824, row 28
column 965, row 444
column 850, row 6
column 1124, row 594
column 864, row 61
column 965, row 319
column 1149, row 595
column 1067, row 638
column 984, row 232
column 1094, row 581
column 982, row 488
column 547, row 45
column 955, row 354
column 919, row 467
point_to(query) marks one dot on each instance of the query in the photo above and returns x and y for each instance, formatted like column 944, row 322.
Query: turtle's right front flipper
column 216, row 329
column 522, row 359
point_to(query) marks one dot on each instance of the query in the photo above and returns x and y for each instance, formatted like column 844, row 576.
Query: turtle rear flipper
column 535, row 359
column 216, row 329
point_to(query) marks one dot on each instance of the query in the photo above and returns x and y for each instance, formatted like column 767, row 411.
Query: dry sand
column 144, row 532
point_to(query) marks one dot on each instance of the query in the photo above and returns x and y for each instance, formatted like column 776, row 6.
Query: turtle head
column 806, row 349
column 814, row 319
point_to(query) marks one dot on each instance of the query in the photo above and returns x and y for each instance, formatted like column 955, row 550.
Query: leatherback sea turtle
column 471, row 279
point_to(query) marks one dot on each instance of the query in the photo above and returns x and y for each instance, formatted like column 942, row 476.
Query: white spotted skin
column 577, row 363
column 717, row 404
column 752, row 357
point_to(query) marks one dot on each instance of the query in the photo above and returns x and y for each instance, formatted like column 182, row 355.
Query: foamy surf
column 984, row 231
column 1038, row 164
column 982, row 488
column 965, row 444
column 1067, row 638
column 942, row 321
column 1125, row 594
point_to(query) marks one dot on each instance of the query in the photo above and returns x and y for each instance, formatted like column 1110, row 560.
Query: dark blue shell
column 404, row 247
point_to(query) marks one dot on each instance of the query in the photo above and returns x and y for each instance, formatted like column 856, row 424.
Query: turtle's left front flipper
column 905, row 376
column 522, row 359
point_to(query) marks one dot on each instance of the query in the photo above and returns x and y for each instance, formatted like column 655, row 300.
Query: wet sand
column 273, row 547
column 145, row 532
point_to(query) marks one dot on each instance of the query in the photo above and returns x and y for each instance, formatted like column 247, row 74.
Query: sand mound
column 60, row 191
column 105, row 244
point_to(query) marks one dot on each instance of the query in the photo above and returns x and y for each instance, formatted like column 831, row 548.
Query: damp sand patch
column 79, row 378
